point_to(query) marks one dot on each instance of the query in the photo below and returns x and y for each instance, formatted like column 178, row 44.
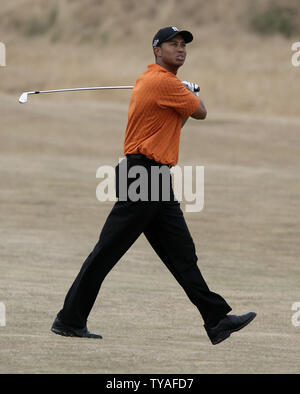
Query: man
column 160, row 105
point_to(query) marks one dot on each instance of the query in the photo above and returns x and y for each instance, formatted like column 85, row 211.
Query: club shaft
column 78, row 89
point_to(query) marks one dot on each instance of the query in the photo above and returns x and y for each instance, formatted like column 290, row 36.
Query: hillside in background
column 105, row 21
column 241, row 54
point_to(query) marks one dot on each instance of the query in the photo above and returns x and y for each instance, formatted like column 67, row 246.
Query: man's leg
column 169, row 236
column 123, row 226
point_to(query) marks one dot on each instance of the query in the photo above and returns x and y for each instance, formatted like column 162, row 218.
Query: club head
column 23, row 98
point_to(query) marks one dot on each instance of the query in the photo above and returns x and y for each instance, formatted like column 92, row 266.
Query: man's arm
column 201, row 111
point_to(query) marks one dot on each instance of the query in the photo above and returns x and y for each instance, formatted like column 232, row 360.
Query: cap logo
column 155, row 42
column 175, row 28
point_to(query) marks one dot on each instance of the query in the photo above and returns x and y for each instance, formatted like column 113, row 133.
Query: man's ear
column 157, row 51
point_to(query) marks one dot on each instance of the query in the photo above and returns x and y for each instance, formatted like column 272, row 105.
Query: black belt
column 143, row 157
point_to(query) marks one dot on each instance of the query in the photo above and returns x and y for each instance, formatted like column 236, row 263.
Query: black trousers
column 163, row 224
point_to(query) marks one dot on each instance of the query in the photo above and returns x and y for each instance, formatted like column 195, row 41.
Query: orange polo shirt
column 157, row 105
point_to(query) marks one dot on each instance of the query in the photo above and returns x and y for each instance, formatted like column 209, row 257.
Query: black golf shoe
column 227, row 325
column 58, row 327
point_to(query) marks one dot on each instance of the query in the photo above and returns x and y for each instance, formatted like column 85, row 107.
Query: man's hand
column 193, row 87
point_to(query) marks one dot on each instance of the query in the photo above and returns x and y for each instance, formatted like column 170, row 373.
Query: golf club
column 24, row 96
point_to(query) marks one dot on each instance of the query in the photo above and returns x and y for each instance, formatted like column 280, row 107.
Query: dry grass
column 246, row 236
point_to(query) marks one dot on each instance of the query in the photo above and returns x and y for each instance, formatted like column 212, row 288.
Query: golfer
column 160, row 104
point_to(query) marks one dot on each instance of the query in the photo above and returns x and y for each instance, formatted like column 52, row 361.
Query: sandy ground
column 247, row 240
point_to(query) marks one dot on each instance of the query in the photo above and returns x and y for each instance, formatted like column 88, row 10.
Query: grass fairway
column 247, row 241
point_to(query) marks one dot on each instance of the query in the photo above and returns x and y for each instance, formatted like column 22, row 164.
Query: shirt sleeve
column 172, row 94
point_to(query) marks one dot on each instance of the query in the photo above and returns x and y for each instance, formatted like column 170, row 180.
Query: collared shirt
column 157, row 105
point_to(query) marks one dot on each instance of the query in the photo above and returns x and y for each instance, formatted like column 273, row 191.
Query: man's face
column 172, row 52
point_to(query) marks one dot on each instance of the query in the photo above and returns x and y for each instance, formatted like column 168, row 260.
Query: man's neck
column 171, row 69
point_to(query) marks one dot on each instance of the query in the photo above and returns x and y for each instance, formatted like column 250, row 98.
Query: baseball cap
column 169, row 32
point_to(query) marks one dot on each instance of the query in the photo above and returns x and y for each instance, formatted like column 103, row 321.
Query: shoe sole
column 226, row 334
column 70, row 334
column 62, row 333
